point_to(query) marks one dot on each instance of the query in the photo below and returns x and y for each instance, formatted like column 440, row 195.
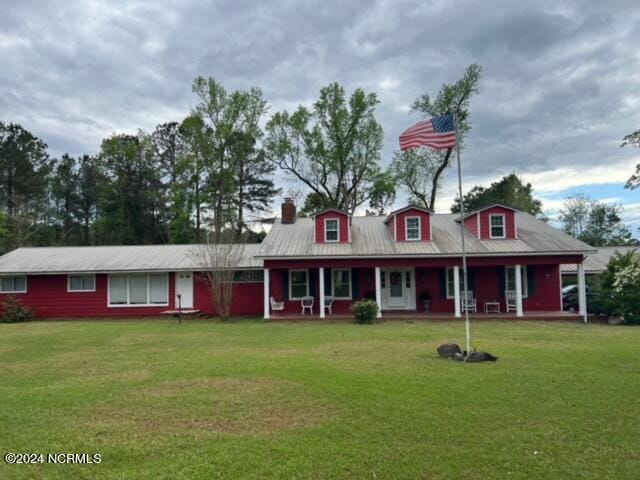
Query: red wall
column 425, row 220
column 472, row 224
column 344, row 226
column 509, row 218
column 47, row 296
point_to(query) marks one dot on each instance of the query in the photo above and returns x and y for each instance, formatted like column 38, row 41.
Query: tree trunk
column 436, row 179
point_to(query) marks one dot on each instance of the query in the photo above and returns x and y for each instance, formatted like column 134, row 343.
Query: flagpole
column 462, row 231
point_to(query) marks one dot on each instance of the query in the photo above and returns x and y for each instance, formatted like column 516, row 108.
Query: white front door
column 399, row 289
column 184, row 288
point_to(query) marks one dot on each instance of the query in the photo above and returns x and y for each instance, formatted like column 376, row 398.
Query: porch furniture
column 469, row 304
column 276, row 306
column 492, row 306
column 307, row 303
column 328, row 303
column 510, row 300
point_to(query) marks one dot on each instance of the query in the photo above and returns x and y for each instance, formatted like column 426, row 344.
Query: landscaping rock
column 449, row 350
column 459, row 357
column 475, row 357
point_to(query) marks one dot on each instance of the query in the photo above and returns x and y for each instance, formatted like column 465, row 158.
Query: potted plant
column 425, row 297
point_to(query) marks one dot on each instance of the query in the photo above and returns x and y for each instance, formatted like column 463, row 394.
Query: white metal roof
column 597, row 262
column 138, row 258
column 372, row 238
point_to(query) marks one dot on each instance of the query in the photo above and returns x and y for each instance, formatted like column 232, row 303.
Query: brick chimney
column 288, row 212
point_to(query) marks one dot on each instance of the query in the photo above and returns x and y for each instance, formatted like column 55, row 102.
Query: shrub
column 15, row 311
column 365, row 311
column 621, row 287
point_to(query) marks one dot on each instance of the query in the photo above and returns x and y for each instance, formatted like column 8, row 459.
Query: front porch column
column 582, row 293
column 321, row 283
column 378, row 292
column 518, row 270
column 456, row 290
column 266, row 293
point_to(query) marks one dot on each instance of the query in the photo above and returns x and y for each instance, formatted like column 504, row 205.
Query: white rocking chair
column 328, row 303
column 307, row 303
column 469, row 303
column 510, row 300
column 276, row 306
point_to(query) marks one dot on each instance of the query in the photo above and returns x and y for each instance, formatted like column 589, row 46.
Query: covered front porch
column 429, row 288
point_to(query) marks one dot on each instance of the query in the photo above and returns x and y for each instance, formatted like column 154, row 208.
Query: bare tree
column 220, row 257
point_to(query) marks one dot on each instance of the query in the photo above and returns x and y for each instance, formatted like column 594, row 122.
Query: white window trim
column 449, row 271
column 14, row 291
column 333, row 284
column 291, row 297
column 504, row 226
column 70, row 290
column 406, row 229
column 523, row 275
column 337, row 220
column 135, row 305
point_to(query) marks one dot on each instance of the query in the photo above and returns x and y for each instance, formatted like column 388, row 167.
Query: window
column 341, row 284
column 298, row 284
column 246, row 276
column 510, row 280
column 331, row 230
column 450, row 284
column 139, row 289
column 413, row 228
column 497, row 226
column 13, row 285
column 81, row 283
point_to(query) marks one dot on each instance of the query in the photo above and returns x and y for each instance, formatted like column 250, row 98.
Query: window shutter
column 502, row 280
column 355, row 286
column 327, row 281
column 531, row 281
column 313, row 274
column 285, row 283
column 443, row 282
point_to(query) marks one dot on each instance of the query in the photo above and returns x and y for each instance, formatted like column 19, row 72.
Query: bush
column 365, row 311
column 621, row 287
column 15, row 311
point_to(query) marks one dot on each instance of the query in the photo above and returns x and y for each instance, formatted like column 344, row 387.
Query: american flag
column 438, row 133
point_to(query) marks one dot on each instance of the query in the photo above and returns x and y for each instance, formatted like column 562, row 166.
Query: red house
column 330, row 259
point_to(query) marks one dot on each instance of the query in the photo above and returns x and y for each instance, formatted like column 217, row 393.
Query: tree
column 510, row 190
column 633, row 139
column 383, row 194
column 333, row 149
column 90, row 179
column 621, row 286
column 593, row 222
column 420, row 170
column 64, row 187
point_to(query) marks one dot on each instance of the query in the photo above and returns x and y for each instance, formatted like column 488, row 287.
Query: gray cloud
column 560, row 85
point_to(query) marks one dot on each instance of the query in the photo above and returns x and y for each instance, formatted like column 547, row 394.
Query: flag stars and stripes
column 437, row 132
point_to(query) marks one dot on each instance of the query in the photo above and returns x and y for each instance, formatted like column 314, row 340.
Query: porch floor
column 415, row 315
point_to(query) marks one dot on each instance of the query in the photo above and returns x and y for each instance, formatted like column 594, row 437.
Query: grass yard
column 310, row 400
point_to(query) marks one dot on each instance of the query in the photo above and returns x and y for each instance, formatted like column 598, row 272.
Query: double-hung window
column 341, row 283
column 413, row 228
column 497, row 226
column 331, row 230
column 451, row 283
column 298, row 284
column 81, row 283
column 13, row 284
column 510, row 279
column 139, row 290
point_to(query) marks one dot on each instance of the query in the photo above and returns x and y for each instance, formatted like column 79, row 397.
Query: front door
column 184, row 288
column 399, row 289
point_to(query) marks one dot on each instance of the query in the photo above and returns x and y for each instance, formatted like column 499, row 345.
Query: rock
column 475, row 357
column 616, row 321
column 449, row 350
column 459, row 357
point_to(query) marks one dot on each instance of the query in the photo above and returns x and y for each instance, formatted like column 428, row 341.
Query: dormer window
column 413, row 228
column 331, row 230
column 497, row 225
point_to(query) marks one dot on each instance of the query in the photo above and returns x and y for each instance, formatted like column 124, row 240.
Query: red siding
column 510, row 220
column 472, row 224
column 343, row 221
column 247, row 297
column 401, row 217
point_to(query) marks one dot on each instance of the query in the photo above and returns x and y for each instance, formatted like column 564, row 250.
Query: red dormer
column 495, row 222
column 410, row 224
column 332, row 226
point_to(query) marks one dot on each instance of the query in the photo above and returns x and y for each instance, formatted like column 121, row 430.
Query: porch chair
column 328, row 303
column 276, row 306
column 469, row 303
column 510, row 300
column 307, row 303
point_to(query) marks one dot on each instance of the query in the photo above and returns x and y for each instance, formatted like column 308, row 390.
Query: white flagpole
column 464, row 250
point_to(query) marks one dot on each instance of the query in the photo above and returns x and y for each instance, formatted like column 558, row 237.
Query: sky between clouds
column 560, row 85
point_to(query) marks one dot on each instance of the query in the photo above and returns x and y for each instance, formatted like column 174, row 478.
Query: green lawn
column 311, row 400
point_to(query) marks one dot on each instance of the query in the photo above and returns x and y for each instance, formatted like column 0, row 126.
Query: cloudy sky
column 560, row 86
